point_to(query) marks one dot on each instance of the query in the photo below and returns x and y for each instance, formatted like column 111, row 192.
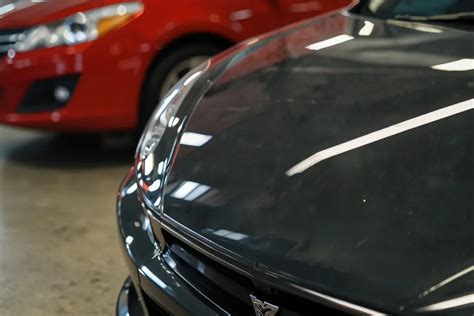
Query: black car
column 324, row 169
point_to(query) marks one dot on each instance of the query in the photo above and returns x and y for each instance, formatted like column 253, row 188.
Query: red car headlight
column 79, row 28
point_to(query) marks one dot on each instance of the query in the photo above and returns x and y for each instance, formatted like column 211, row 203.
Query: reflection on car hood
column 385, row 219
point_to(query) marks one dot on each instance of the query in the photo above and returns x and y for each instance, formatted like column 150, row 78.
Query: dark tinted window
column 422, row 8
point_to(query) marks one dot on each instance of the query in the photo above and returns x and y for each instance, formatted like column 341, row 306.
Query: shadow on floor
column 74, row 151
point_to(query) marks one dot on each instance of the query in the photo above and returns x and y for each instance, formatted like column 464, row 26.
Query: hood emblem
column 263, row 308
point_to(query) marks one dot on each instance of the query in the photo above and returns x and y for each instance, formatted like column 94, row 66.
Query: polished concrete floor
column 59, row 252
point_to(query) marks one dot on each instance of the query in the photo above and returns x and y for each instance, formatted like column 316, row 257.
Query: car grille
column 153, row 308
column 8, row 39
column 230, row 290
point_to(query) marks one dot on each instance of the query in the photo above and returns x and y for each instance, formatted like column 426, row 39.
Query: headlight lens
column 80, row 28
column 159, row 140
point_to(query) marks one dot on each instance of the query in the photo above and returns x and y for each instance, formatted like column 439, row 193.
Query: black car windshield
column 437, row 11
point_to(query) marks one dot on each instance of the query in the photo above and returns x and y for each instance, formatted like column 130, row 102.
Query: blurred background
column 59, row 253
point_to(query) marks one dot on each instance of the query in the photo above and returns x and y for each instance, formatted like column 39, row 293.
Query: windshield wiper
column 455, row 17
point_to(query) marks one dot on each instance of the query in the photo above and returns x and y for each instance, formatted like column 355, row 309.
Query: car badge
column 263, row 308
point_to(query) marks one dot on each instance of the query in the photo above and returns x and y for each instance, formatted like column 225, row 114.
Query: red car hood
column 17, row 14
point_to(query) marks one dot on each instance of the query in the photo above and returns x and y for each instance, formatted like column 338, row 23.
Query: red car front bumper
column 109, row 73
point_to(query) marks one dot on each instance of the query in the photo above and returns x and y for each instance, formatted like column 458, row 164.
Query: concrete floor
column 59, row 252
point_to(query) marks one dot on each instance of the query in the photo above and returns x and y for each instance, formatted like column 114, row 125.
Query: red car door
column 271, row 14
column 296, row 10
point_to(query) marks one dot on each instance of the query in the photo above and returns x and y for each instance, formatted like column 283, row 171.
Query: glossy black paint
column 379, row 225
column 151, row 276
column 382, row 226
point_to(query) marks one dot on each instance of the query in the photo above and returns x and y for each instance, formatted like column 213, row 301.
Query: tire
column 168, row 69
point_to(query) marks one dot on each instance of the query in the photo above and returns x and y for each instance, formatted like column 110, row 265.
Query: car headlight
column 160, row 139
column 79, row 28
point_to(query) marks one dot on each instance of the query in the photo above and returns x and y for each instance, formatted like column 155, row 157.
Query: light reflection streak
column 464, row 64
column 131, row 189
column 448, row 280
column 381, row 134
column 184, row 189
column 367, row 29
column 230, row 234
column 192, row 77
column 416, row 26
column 330, row 42
column 194, row 139
column 153, row 277
column 7, row 8
column 149, row 164
column 197, row 192
column 356, row 309
column 448, row 304
column 155, row 186
column 189, row 190
column 129, row 240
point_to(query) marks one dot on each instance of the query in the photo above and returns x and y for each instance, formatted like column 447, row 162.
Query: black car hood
column 388, row 224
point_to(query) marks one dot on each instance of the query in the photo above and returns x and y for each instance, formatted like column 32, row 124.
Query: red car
column 102, row 65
